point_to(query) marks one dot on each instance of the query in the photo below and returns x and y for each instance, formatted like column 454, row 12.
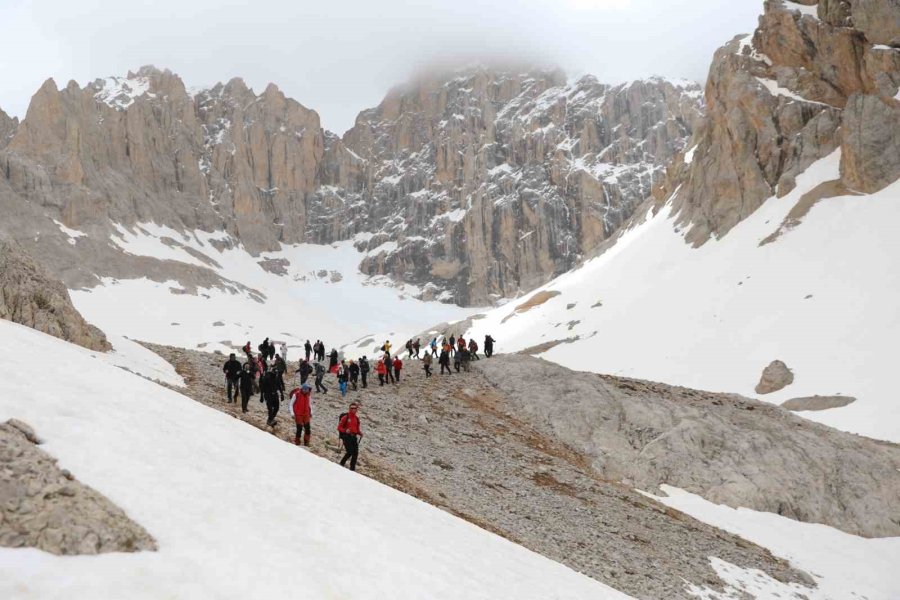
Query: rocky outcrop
column 44, row 507
column 29, row 295
column 812, row 78
column 472, row 185
column 8, row 126
column 775, row 376
column 817, row 403
column 728, row 449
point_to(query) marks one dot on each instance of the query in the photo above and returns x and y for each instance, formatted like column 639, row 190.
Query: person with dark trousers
column 426, row 364
column 389, row 369
column 434, row 346
column 488, row 346
column 452, row 342
column 268, row 386
column 463, row 355
column 305, row 371
column 302, row 411
column 232, row 370
column 444, row 361
column 348, row 429
column 417, row 345
column 307, row 348
column 381, row 371
column 247, row 378
column 280, row 367
column 333, row 360
column 398, row 366
column 320, row 373
column 456, row 360
column 473, row 349
column 248, row 351
column 364, row 371
column 353, row 371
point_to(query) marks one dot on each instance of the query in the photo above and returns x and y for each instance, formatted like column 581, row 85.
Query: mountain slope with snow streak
column 302, row 292
column 238, row 513
column 822, row 297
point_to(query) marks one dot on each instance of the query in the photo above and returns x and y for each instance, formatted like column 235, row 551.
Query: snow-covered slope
column 822, row 297
column 306, row 292
column 238, row 513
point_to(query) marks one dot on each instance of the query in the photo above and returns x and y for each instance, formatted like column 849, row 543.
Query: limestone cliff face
column 811, row 79
column 482, row 183
column 494, row 182
column 8, row 126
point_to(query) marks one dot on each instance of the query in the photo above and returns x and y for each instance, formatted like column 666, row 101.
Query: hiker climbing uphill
column 488, row 346
column 398, row 366
column 381, row 370
column 320, row 373
column 302, row 411
column 426, row 364
column 350, row 433
column 305, row 371
column 364, row 371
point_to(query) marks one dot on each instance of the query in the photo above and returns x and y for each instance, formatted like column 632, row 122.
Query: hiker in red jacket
column 348, row 429
column 398, row 365
column 381, row 371
column 302, row 411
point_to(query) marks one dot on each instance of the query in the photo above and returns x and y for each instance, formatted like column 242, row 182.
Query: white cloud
column 340, row 57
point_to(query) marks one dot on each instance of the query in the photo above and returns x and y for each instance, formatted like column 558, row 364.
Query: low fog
column 342, row 56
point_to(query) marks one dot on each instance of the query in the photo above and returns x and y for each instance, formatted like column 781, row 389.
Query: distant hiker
column 305, row 371
column 268, row 387
column 473, row 349
column 444, row 361
column 333, row 360
column 381, row 370
column 302, row 411
column 460, row 344
column 488, row 346
column 232, row 370
column 386, row 347
column 409, row 350
column 284, row 350
column 248, row 350
column 307, row 347
column 348, row 429
column 434, row 345
column 398, row 366
column 264, row 348
column 364, row 370
column 389, row 368
column 353, row 370
column 342, row 378
column 320, row 373
column 452, row 342
column 254, row 371
column 456, row 361
column 426, row 364
column 280, row 368
column 247, row 379
column 271, row 354
column 464, row 358
column 417, row 345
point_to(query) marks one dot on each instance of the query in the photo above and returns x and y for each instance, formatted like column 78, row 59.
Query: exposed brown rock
column 774, row 377
column 30, row 296
column 817, row 403
column 42, row 506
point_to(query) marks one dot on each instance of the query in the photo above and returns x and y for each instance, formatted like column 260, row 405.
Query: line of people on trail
column 264, row 374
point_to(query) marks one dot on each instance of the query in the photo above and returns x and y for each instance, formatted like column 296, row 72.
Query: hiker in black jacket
column 488, row 346
column 268, row 387
column 246, row 378
column 232, row 370
column 305, row 371
column 364, row 370
column 307, row 347
column 280, row 367
column 444, row 361
column 353, row 370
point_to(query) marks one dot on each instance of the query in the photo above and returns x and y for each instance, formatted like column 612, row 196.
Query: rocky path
column 453, row 442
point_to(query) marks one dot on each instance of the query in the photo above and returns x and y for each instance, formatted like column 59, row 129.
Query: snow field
column 238, row 513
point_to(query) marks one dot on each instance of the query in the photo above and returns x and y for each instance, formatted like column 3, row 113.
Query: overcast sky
column 341, row 56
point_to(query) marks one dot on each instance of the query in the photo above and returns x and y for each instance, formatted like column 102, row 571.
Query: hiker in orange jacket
column 398, row 365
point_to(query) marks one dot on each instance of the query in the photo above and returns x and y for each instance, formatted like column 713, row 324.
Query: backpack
column 340, row 420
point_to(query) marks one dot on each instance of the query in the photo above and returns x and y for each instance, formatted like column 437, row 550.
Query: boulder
column 774, row 377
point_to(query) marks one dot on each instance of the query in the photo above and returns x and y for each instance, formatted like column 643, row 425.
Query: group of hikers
column 264, row 374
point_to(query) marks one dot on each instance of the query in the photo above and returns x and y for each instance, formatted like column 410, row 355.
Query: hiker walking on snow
column 488, row 346
column 320, row 373
column 268, row 387
column 444, row 361
column 247, row 379
column 308, row 349
column 364, row 370
column 426, row 364
column 232, row 370
column 348, row 429
column 398, row 366
column 473, row 349
column 302, row 411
